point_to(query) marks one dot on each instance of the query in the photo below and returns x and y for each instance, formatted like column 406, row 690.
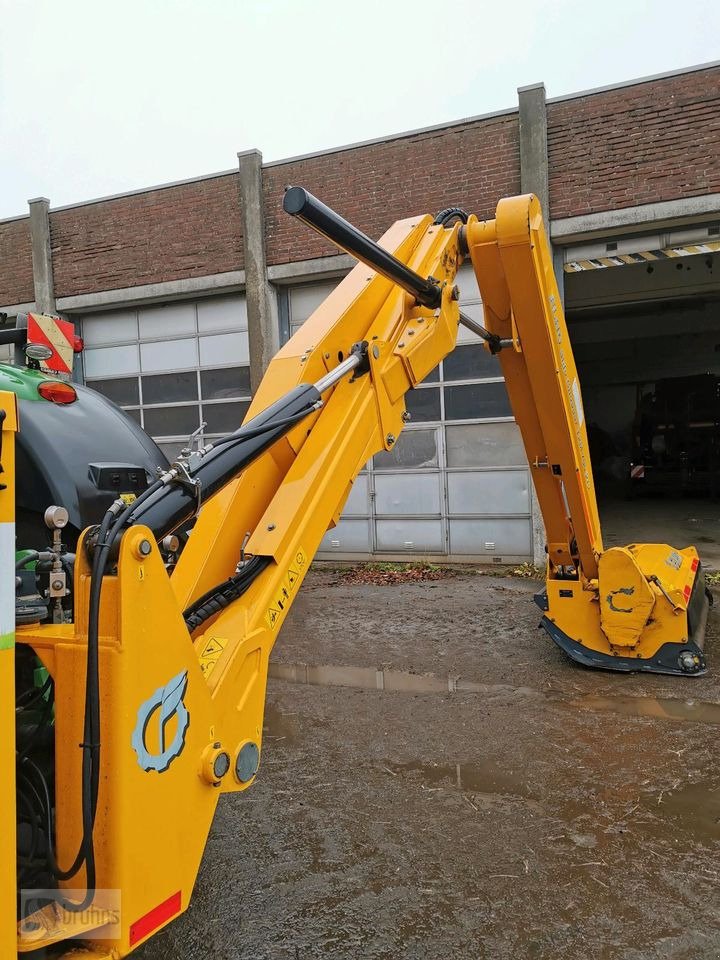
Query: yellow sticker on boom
column 283, row 596
column 210, row 654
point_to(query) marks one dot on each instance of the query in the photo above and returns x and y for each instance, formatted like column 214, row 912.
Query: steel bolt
column 407, row 417
column 688, row 660
column 376, row 351
column 171, row 543
column 145, row 548
column 455, row 295
column 271, row 526
column 390, row 439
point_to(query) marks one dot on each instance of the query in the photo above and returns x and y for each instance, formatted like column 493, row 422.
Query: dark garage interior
column 646, row 337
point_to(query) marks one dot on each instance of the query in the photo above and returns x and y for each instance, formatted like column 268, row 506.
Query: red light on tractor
column 57, row 392
column 78, row 344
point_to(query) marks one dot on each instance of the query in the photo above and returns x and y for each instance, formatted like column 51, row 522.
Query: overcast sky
column 99, row 97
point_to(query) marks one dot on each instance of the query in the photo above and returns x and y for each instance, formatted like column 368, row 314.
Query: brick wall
column 645, row 143
column 641, row 144
column 190, row 230
column 16, row 278
column 471, row 166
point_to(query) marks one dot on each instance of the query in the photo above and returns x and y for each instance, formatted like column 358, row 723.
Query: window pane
column 398, row 494
column 109, row 328
column 171, row 320
column 423, row 405
column 222, row 313
column 418, row 536
column 497, row 537
column 484, row 445
column 475, row 312
column 357, row 501
column 476, row 401
column 224, row 417
column 231, row 382
column 122, row 391
column 492, row 491
column 433, row 376
column 414, row 448
column 171, row 450
column 172, row 421
column 170, row 387
column 135, row 415
column 169, row 355
column 471, row 363
column 305, row 299
column 111, row 360
column 465, row 279
column 225, row 348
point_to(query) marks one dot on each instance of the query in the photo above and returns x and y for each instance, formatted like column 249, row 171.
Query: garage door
column 173, row 367
column 456, row 483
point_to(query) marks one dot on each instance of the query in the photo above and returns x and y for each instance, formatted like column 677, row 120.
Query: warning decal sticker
column 281, row 603
column 210, row 654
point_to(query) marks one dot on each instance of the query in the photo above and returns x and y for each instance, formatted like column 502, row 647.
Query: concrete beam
column 263, row 332
column 319, row 268
column 533, row 145
column 230, row 282
column 42, row 255
column 646, row 216
column 13, row 309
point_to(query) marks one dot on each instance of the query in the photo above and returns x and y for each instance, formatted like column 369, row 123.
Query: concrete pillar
column 261, row 308
column 533, row 144
column 534, row 179
column 42, row 255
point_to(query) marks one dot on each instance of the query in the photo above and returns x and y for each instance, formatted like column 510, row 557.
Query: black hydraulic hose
column 30, row 697
column 45, row 805
column 174, row 503
column 446, row 216
column 223, row 595
column 31, row 557
column 250, row 434
column 86, row 851
column 163, row 506
column 91, row 733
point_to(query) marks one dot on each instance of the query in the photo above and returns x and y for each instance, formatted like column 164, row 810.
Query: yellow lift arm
column 161, row 679
column 641, row 607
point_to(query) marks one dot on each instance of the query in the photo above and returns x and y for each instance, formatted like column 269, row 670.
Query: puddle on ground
column 398, row 681
column 694, row 808
column 667, row 708
column 488, row 778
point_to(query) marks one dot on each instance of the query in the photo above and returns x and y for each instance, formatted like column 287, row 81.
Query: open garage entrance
column 644, row 318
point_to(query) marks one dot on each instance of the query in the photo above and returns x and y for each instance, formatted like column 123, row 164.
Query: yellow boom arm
column 182, row 663
column 181, row 714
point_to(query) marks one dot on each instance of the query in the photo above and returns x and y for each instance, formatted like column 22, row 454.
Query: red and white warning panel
column 59, row 335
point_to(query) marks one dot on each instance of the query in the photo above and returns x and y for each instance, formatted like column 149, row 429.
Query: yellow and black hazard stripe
column 643, row 256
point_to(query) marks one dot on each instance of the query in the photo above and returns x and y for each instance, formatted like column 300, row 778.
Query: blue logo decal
column 167, row 701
